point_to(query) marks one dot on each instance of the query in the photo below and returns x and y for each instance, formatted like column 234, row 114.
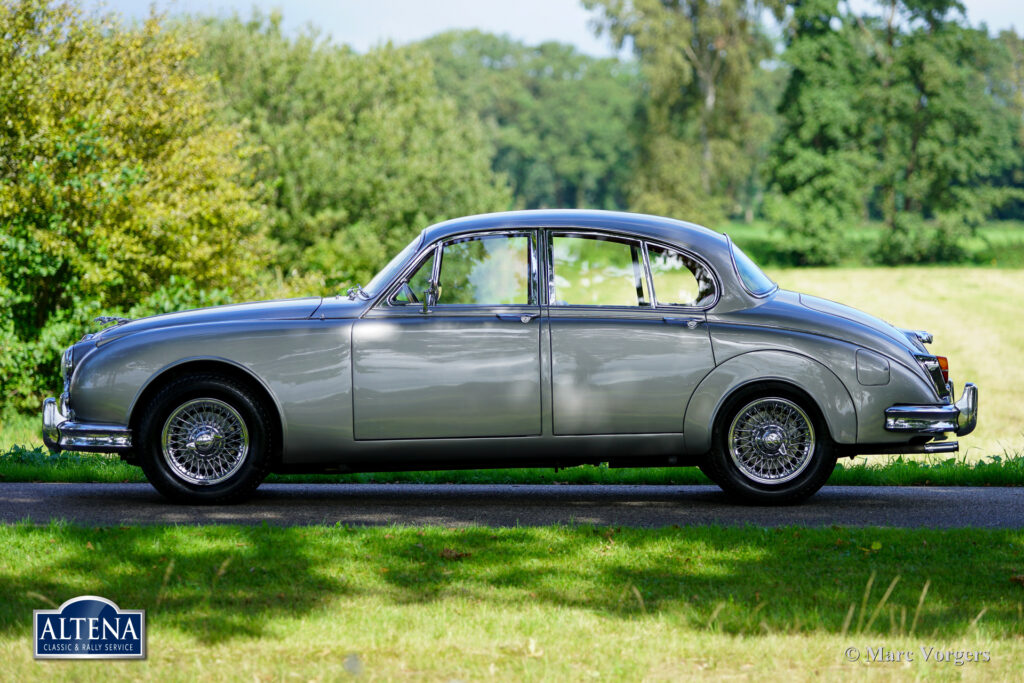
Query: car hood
column 285, row 309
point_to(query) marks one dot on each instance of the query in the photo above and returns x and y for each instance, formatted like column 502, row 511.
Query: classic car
column 520, row 339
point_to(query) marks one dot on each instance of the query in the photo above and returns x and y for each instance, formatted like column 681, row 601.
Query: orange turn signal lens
column 943, row 367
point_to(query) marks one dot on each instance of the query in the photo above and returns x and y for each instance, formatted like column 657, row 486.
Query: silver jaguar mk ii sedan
column 524, row 339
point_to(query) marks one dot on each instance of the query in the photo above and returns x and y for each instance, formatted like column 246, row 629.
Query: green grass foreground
column 558, row 603
column 27, row 465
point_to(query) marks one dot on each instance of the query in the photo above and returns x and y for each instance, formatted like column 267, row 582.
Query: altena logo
column 89, row 627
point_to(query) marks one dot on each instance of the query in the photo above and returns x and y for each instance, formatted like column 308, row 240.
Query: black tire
column 205, row 399
column 779, row 483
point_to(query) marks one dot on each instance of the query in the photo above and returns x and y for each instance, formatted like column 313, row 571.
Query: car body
column 530, row 338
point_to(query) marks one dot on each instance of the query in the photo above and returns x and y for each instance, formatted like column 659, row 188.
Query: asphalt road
column 463, row 505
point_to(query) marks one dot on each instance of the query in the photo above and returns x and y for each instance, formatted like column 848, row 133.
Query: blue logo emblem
column 89, row 627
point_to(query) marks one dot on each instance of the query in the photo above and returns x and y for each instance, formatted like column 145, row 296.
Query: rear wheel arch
column 803, row 375
column 769, row 386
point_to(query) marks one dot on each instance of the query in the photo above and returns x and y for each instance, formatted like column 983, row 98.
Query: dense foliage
column 117, row 180
column 898, row 117
column 703, row 123
column 562, row 122
column 357, row 153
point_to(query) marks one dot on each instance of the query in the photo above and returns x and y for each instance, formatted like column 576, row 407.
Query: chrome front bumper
column 960, row 417
column 60, row 433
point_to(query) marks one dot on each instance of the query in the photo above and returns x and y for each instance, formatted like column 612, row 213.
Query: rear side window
column 756, row 282
column 597, row 271
column 678, row 279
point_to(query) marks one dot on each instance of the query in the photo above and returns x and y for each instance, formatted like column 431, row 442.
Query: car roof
column 712, row 246
column 670, row 230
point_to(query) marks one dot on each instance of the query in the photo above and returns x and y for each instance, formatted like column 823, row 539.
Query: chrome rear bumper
column 960, row 417
column 60, row 433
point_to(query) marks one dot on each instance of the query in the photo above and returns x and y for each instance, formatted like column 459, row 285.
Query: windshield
column 389, row 271
column 756, row 282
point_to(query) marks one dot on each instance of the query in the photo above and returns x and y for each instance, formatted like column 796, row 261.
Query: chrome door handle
column 521, row 317
column 689, row 322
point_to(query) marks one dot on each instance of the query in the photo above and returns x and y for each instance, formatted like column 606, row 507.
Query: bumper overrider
column 960, row 417
column 63, row 433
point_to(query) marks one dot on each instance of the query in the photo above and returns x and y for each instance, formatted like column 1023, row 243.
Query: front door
column 467, row 367
column 622, row 360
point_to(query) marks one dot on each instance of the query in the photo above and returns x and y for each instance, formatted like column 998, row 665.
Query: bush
column 118, row 180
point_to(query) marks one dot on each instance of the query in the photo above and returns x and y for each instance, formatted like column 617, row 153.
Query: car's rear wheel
column 770, row 446
column 205, row 438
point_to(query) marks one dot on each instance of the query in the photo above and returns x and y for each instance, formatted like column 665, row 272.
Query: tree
column 699, row 59
column 900, row 116
column 562, row 122
column 115, row 177
column 1009, row 72
column 358, row 153
column 928, row 88
column 819, row 167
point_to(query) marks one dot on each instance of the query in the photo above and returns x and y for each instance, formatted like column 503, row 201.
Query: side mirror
column 430, row 295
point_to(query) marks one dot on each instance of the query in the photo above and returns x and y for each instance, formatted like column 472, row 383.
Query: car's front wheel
column 205, row 439
column 770, row 446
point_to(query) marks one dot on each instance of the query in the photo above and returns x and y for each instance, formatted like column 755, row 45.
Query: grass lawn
column 38, row 465
column 555, row 603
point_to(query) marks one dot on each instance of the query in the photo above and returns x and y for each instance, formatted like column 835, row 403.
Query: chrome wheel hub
column 204, row 441
column 771, row 440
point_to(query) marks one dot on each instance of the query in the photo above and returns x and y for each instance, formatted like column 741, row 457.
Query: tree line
column 191, row 161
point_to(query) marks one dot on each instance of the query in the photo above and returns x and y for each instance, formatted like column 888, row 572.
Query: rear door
column 467, row 367
column 622, row 361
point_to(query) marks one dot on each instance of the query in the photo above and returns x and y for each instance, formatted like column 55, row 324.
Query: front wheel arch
column 205, row 438
column 213, row 367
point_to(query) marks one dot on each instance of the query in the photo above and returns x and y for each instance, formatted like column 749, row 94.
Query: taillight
column 937, row 368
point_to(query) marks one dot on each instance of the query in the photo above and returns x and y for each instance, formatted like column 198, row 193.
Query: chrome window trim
column 739, row 278
column 587, row 234
column 550, row 233
column 689, row 254
column 384, row 302
column 389, row 300
column 376, row 296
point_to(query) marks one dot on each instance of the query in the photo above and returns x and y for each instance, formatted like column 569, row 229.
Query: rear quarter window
column 753, row 278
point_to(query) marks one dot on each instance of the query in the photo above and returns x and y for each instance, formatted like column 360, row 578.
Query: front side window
column 678, row 279
column 414, row 290
column 486, row 270
column 597, row 271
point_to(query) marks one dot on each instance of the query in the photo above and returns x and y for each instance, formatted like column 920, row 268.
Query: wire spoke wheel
column 204, row 441
column 771, row 440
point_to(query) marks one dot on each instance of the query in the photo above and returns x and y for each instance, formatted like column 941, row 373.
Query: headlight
column 67, row 364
